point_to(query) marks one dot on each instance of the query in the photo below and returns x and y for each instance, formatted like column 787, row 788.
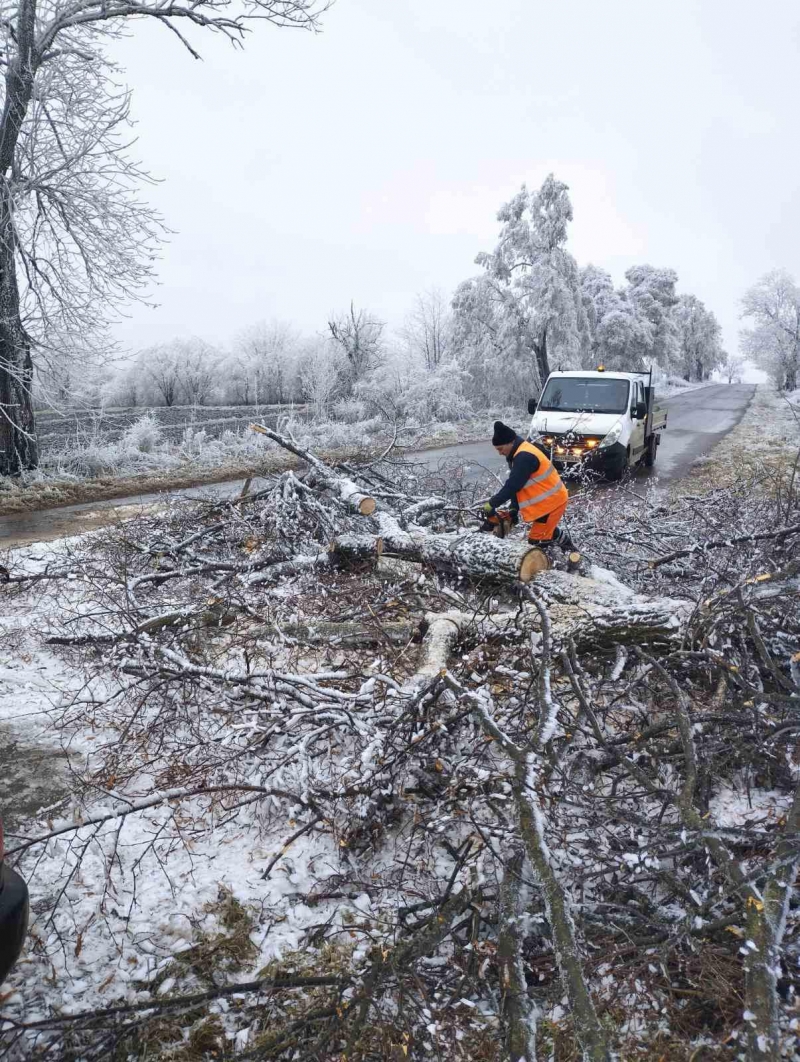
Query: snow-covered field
column 285, row 834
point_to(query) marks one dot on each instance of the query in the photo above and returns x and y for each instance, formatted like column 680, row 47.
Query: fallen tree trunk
column 347, row 490
column 590, row 612
column 472, row 553
column 580, row 611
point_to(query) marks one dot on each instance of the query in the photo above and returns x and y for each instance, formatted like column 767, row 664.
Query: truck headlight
column 612, row 436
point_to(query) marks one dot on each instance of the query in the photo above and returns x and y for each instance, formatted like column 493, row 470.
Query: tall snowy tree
column 773, row 340
column 700, row 338
column 264, row 363
column 618, row 334
column 535, row 279
column 492, row 344
column 74, row 239
column 651, row 292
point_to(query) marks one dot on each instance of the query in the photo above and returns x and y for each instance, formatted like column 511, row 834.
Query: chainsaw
column 499, row 523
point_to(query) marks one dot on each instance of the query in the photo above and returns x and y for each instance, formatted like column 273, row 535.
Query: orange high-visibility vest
column 544, row 491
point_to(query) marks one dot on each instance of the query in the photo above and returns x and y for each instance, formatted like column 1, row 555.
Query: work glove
column 488, row 509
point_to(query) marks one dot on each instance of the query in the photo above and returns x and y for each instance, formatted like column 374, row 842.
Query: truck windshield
column 584, row 394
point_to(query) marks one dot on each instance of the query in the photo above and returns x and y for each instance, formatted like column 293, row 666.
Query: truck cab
column 603, row 420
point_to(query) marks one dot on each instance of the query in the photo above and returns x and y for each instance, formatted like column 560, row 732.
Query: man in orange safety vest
column 533, row 490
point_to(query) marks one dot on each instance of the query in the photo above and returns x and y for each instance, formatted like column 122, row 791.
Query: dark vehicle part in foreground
column 13, row 913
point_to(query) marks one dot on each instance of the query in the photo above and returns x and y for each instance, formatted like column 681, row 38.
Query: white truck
column 607, row 421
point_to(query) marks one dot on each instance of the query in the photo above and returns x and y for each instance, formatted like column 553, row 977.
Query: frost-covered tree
column 321, row 372
column 733, row 368
column 428, row 329
column 75, row 241
column 535, row 279
column 618, row 333
column 198, row 366
column 651, row 292
column 700, row 338
column 159, row 374
column 264, row 363
column 491, row 344
column 359, row 337
column 773, row 339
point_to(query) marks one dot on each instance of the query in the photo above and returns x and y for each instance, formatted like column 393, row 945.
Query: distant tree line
column 531, row 309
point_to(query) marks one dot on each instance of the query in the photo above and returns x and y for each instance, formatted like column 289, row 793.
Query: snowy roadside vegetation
column 143, row 457
column 335, row 791
column 762, row 450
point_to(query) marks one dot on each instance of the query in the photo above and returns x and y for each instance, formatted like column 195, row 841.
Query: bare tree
column 196, row 362
column 427, row 329
column 160, row 368
column 733, row 368
column 359, row 335
column 74, row 240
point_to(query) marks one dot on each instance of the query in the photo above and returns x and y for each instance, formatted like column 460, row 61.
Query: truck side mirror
column 641, row 410
column 532, row 404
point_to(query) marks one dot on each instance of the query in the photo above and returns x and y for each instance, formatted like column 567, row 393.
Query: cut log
column 441, row 637
column 357, row 547
column 348, row 491
column 469, row 553
column 478, row 555
column 443, row 631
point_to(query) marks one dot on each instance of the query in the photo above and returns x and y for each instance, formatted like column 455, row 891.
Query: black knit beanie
column 502, row 434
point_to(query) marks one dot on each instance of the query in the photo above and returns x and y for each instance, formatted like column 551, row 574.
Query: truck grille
column 570, row 446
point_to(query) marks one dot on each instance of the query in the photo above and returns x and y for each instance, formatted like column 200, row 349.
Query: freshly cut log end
column 366, row 506
column 573, row 561
column 533, row 562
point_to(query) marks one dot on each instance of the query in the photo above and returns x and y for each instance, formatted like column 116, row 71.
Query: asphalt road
column 696, row 421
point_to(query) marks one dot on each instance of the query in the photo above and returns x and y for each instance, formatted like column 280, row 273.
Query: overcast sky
column 368, row 162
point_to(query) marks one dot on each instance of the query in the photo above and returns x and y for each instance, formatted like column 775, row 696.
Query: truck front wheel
column 617, row 470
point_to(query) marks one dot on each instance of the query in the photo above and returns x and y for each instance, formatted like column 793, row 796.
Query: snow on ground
column 122, row 922
column 763, row 446
column 98, row 469
column 668, row 386
column 141, row 897
column 743, row 805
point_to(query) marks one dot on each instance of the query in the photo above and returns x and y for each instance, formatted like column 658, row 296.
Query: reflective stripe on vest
column 544, row 490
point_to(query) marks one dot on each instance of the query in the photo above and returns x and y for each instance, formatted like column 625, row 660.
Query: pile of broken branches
column 519, row 812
